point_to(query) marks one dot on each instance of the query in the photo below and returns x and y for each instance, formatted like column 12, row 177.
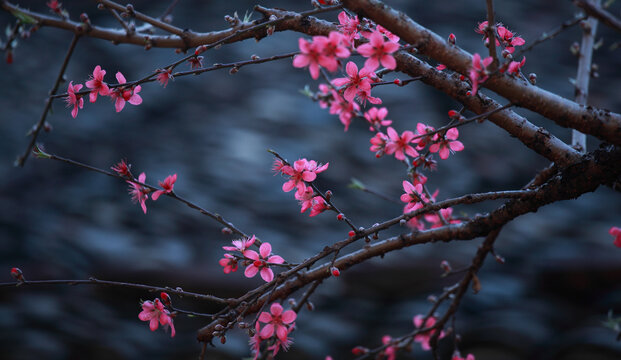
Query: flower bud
column 352, row 233
column 532, row 77
column 165, row 298
column 340, row 217
column 451, row 39
column 335, row 271
column 17, row 274
column 310, row 306
column 359, row 350
column 226, row 231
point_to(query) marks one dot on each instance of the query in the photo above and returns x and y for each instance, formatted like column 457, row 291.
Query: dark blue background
column 56, row 221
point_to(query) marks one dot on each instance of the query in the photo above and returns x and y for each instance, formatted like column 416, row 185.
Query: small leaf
column 356, row 184
column 25, row 18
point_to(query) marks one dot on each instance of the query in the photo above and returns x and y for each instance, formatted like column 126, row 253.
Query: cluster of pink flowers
column 504, row 36
column 98, row 86
column 256, row 263
column 345, row 94
column 322, row 51
column 156, row 314
column 303, row 171
column 424, row 338
column 278, row 324
column 478, row 71
column 138, row 192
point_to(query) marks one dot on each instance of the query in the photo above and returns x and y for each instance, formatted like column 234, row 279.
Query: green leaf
column 356, row 184
column 24, row 18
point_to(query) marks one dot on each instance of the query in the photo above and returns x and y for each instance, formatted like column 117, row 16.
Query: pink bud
column 165, row 298
column 335, row 271
column 339, row 217
column 351, row 233
column 445, row 266
column 17, row 274
column 451, row 39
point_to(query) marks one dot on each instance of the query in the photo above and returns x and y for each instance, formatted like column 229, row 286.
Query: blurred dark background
column 548, row 301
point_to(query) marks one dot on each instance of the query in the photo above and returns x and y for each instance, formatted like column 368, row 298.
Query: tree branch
column 600, row 123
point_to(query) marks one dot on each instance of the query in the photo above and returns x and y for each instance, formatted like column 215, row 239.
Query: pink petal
column 300, row 61
column 392, row 134
column 156, row 194
column 267, row 331
column 288, row 186
column 275, row 259
column 288, row 316
column 371, row 64
column 338, row 82
column 444, row 152
column 135, row 99
column 153, row 324
column 120, row 78
column 281, row 332
column 119, row 104
column 251, row 271
column 389, row 62
column 251, row 254
column 265, row 317
column 267, row 274
column 309, row 176
column 456, row 145
column 351, row 69
column 265, row 250
column 276, row 309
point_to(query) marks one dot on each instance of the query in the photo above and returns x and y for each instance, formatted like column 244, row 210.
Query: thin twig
column 48, row 103
column 173, row 195
column 551, row 35
column 595, row 10
column 94, row 281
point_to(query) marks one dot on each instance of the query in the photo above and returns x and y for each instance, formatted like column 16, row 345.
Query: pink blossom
column 426, row 161
column 424, row 338
column 508, row 38
column 302, row 170
column 310, row 56
column 122, row 169
column 413, row 196
column 282, row 344
column 422, row 138
column 97, row 84
column 164, row 75
column 241, row 245
column 168, row 184
column 355, row 82
column 616, row 232
column 377, row 50
column 319, row 205
column 332, row 47
column 435, row 220
column 229, row 262
column 55, row 6
column 378, row 143
column 261, row 262
column 447, row 144
column 155, row 314
column 418, row 178
column 122, row 94
column 514, row 67
column 277, row 166
column 346, row 110
column 478, row 71
column 138, row 192
column 400, row 145
column 276, row 322
column 349, row 26
column 364, row 95
column 440, row 67
column 74, row 100
column 390, row 353
column 255, row 341
column 376, row 118
column 196, row 62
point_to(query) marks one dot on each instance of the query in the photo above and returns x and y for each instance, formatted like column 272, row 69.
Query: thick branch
column 536, row 138
column 601, row 167
column 600, row 123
